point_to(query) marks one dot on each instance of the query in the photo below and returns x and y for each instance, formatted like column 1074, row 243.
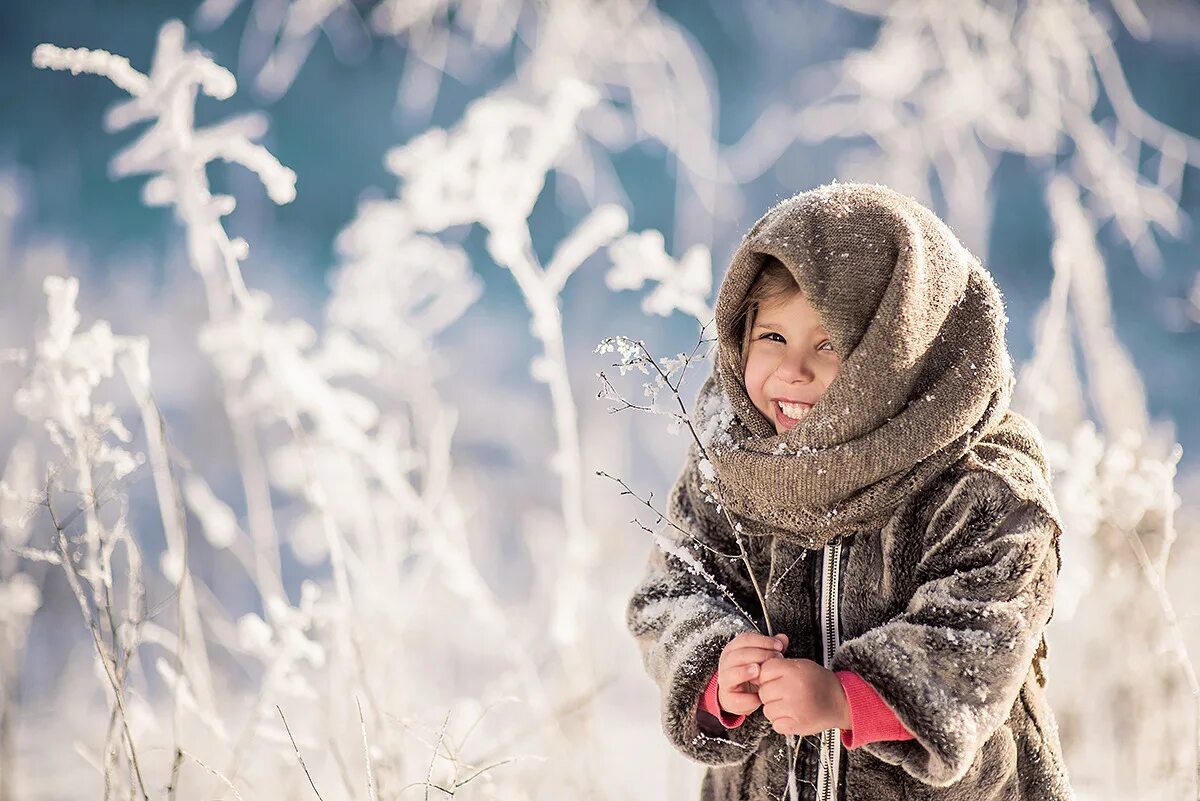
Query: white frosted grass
column 217, row 520
column 244, row 314
column 395, row 290
column 176, row 70
column 601, row 226
column 96, row 62
column 491, row 167
column 171, row 151
column 366, row 461
column 684, row 285
column 88, row 458
column 279, row 181
column 490, row 170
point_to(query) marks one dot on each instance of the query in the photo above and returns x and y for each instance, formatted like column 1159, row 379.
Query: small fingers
column 747, row 656
column 786, row 726
column 752, row 639
column 739, row 703
column 739, row 674
column 773, row 710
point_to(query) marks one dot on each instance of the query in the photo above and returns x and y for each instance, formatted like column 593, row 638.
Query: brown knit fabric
column 925, row 379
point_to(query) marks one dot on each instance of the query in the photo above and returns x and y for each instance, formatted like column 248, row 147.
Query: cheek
column 757, row 372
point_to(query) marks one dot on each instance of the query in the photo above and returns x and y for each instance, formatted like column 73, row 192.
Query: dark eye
column 774, row 334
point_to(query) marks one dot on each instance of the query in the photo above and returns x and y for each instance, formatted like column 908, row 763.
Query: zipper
column 830, row 755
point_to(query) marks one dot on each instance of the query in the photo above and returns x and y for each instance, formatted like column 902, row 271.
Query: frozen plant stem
column 366, row 752
column 453, row 758
column 1178, row 644
column 217, row 774
column 540, row 292
column 190, row 653
column 298, row 755
column 178, row 152
column 111, row 670
column 179, row 156
column 436, row 749
column 685, row 418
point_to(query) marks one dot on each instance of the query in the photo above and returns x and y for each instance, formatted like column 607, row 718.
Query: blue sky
column 339, row 119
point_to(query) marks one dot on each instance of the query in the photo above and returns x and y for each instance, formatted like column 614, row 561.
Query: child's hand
column 801, row 697
column 739, row 667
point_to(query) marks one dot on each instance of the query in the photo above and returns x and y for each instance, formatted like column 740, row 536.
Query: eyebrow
column 774, row 327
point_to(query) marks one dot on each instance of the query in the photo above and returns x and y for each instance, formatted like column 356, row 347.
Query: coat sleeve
column 682, row 621
column 951, row 665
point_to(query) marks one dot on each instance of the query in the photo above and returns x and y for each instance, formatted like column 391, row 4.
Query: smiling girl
column 896, row 514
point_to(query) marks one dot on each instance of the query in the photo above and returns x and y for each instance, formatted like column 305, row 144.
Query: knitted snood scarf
column 925, row 378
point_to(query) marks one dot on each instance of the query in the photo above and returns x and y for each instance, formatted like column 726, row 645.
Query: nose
column 794, row 366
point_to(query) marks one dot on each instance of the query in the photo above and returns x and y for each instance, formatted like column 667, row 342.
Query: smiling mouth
column 788, row 414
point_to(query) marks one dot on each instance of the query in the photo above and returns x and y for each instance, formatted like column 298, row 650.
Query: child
column 860, row 455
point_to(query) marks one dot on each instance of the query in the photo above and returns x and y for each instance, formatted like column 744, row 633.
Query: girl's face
column 790, row 362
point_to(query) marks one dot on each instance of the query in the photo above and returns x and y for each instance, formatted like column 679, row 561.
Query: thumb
column 783, row 637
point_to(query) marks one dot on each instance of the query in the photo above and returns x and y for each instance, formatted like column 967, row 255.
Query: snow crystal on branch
column 633, row 353
column 668, row 373
column 716, row 417
column 694, row 566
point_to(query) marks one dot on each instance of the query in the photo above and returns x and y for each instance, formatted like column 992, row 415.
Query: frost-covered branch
column 669, row 374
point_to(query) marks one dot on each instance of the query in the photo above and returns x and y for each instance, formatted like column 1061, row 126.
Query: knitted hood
column 925, row 377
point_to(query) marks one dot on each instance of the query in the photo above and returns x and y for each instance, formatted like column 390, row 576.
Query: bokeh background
column 354, row 483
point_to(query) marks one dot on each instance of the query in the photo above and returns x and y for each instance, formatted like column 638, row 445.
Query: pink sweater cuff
column 710, row 704
column 871, row 719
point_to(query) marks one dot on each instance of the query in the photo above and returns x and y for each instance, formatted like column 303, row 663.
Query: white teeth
column 796, row 411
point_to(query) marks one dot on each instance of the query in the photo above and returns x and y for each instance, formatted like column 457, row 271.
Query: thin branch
column 607, row 391
column 214, row 772
column 625, row 490
column 366, row 752
column 775, row 584
column 105, row 659
column 734, row 526
column 426, row 785
column 173, row 783
column 437, row 747
column 483, row 770
column 298, row 755
column 699, row 568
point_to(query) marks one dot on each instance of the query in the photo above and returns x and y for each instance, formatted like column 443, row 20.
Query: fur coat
column 941, row 611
